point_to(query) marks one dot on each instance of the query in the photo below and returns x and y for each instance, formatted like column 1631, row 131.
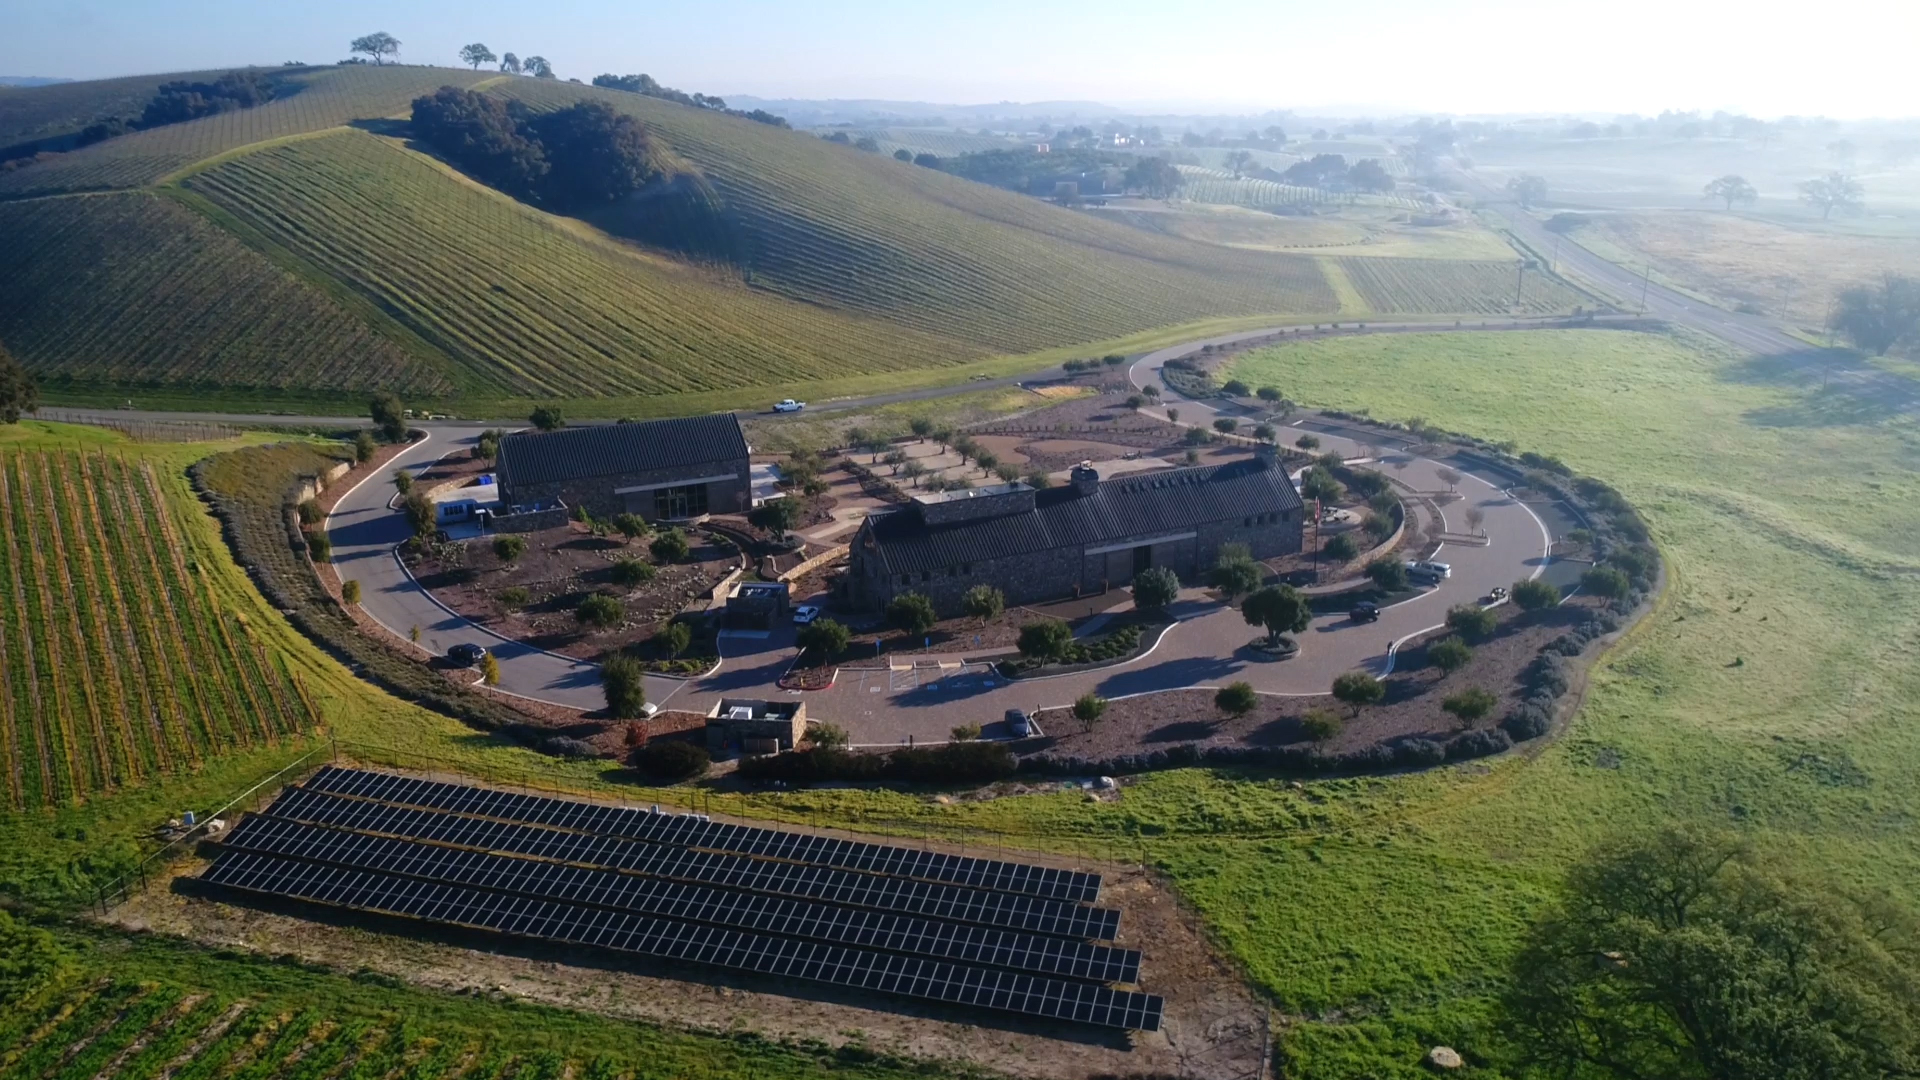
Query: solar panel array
column 694, row 831
column 946, row 928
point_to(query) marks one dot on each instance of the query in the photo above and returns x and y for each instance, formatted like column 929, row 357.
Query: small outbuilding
column 757, row 605
column 753, row 726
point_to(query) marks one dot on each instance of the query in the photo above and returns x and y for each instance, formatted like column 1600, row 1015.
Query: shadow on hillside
column 1838, row 387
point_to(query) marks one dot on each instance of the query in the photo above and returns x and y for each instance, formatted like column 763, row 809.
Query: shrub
column 984, row 602
column 1226, row 425
column 1357, row 689
column 1605, row 581
column 1320, row 725
column 1136, row 402
column 1268, row 394
column 912, row 613
column 1155, row 588
column 632, row 572
column 1318, row 483
column 1534, row 595
column 1472, row 620
column 490, row 668
column 319, row 547
column 1045, row 640
column 964, row 732
column 1449, row 654
column 1367, row 482
column 420, row 514
column 674, row 638
column 827, row 736
column 389, row 416
column 1264, row 432
column 1470, row 704
column 1196, row 437
column 310, row 513
column 1377, row 526
column 1637, row 562
column 509, row 548
column 824, row 636
column 671, row 546
column 350, row 592
column 1307, row 442
column 777, row 516
column 673, row 759
column 363, row 447
column 1234, row 388
column 1389, row 573
column 600, row 611
column 1383, row 503
column 1341, row 548
column 1279, row 609
column 1478, row 744
column 1088, row 708
column 631, row 526
column 547, row 418
column 1236, row 574
column 625, row 684
column 1236, row 699
column 1529, row 721
column 513, row 598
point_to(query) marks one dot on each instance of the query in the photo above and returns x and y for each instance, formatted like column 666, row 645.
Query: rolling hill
column 306, row 250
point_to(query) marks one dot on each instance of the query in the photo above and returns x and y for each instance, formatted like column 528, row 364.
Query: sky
column 1842, row 58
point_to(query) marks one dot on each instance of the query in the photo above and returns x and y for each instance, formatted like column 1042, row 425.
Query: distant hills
column 30, row 80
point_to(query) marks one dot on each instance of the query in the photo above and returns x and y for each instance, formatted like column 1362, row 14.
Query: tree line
column 568, row 160
column 647, row 85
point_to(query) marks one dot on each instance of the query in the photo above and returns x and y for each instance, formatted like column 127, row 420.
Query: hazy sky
column 1844, row 58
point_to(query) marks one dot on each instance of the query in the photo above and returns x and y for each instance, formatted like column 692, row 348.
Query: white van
column 1430, row 572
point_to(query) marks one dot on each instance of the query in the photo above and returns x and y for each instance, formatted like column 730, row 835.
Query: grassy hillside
column 33, row 114
column 304, row 251
column 134, row 290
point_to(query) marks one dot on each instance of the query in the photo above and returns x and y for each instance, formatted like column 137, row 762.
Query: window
column 926, row 575
column 687, row 501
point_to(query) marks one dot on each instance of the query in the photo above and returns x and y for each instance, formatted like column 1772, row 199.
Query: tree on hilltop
column 510, row 64
column 1834, row 191
column 378, row 46
column 537, row 67
column 477, row 54
column 17, row 391
column 1730, row 189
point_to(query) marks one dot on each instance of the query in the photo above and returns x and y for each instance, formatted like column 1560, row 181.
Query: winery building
column 1082, row 538
column 663, row 470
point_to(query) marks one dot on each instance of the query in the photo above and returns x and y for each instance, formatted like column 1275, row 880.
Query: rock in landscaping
column 1444, row 1057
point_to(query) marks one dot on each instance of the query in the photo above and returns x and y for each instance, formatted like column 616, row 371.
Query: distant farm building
column 1085, row 537
column 663, row 470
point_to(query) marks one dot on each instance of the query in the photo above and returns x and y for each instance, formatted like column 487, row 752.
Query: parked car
column 789, row 405
column 1430, row 572
column 805, row 614
column 1365, row 611
column 464, row 655
column 1019, row 724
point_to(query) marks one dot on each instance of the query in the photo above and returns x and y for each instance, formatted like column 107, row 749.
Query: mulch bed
column 1411, row 708
column 559, row 569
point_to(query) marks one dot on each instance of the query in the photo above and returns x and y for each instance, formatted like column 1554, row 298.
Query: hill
column 313, row 251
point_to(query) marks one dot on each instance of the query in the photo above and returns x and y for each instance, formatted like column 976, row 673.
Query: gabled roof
column 1136, row 505
column 609, row 449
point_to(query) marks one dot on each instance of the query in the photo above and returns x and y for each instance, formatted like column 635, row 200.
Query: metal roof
column 1138, row 504
column 610, row 449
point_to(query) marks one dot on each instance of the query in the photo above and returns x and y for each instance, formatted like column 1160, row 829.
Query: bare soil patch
column 560, row 568
column 1411, row 708
column 1215, row 1028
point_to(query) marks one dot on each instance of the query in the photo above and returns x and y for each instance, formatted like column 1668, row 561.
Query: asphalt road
column 1750, row 332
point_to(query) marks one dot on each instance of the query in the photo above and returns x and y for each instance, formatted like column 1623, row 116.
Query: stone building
column 1082, row 538
column 663, row 470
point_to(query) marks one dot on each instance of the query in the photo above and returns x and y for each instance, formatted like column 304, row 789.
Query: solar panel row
column 687, row 829
column 668, row 899
column 996, row 909
column 777, row 956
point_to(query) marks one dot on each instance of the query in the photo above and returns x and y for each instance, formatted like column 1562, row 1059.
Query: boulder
column 1444, row 1057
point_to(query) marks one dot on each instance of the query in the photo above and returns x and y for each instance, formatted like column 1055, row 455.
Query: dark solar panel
column 690, row 830
column 269, row 835
column 1007, row 911
column 786, row 957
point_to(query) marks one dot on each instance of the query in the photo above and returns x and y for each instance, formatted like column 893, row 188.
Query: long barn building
column 1084, row 537
column 663, row 470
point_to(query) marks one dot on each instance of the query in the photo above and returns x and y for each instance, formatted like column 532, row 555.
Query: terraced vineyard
column 135, row 289
column 1455, row 287
column 117, row 662
column 313, row 101
column 527, row 304
column 48, row 112
column 1219, row 186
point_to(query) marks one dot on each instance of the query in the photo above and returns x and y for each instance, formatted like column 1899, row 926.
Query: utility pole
column 1645, row 278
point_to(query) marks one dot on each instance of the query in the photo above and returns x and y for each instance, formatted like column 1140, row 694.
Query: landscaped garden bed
column 536, row 595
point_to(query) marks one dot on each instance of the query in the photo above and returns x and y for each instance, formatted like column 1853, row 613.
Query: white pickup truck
column 789, row 405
